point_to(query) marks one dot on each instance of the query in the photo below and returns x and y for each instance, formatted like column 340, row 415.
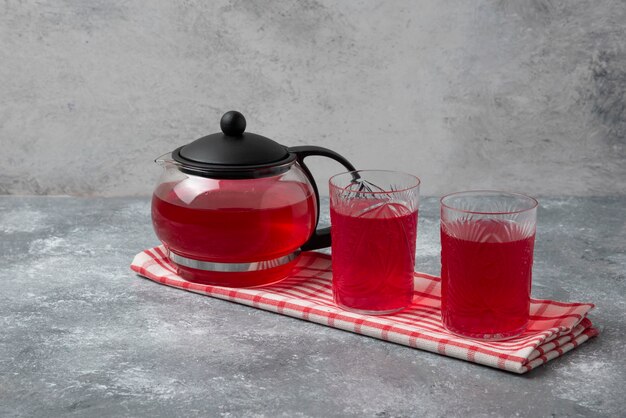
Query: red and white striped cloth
column 555, row 327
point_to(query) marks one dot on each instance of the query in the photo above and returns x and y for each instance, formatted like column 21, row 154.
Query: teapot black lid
column 233, row 153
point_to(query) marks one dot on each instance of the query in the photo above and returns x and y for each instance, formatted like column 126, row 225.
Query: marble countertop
column 82, row 335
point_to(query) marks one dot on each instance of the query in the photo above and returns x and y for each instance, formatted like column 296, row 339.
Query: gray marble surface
column 81, row 335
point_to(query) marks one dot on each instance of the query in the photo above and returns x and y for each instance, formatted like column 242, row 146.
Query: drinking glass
column 487, row 240
column 374, row 228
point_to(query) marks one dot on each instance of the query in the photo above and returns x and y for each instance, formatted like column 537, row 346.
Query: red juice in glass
column 373, row 251
column 486, row 277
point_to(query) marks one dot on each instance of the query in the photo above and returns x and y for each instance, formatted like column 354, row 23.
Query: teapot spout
column 164, row 159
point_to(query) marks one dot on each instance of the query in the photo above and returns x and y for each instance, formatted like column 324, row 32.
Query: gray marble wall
column 526, row 95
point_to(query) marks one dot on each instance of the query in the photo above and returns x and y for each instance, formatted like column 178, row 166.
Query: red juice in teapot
column 486, row 285
column 233, row 221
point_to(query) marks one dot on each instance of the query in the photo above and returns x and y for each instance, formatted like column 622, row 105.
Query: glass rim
column 533, row 202
column 413, row 177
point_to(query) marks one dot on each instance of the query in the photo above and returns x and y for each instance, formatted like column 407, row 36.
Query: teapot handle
column 321, row 237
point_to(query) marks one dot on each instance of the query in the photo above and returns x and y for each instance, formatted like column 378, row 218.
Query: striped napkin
column 554, row 329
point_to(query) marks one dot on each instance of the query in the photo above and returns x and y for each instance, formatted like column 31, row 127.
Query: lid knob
column 233, row 123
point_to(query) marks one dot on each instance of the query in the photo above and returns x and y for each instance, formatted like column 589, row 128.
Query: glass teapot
column 236, row 208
